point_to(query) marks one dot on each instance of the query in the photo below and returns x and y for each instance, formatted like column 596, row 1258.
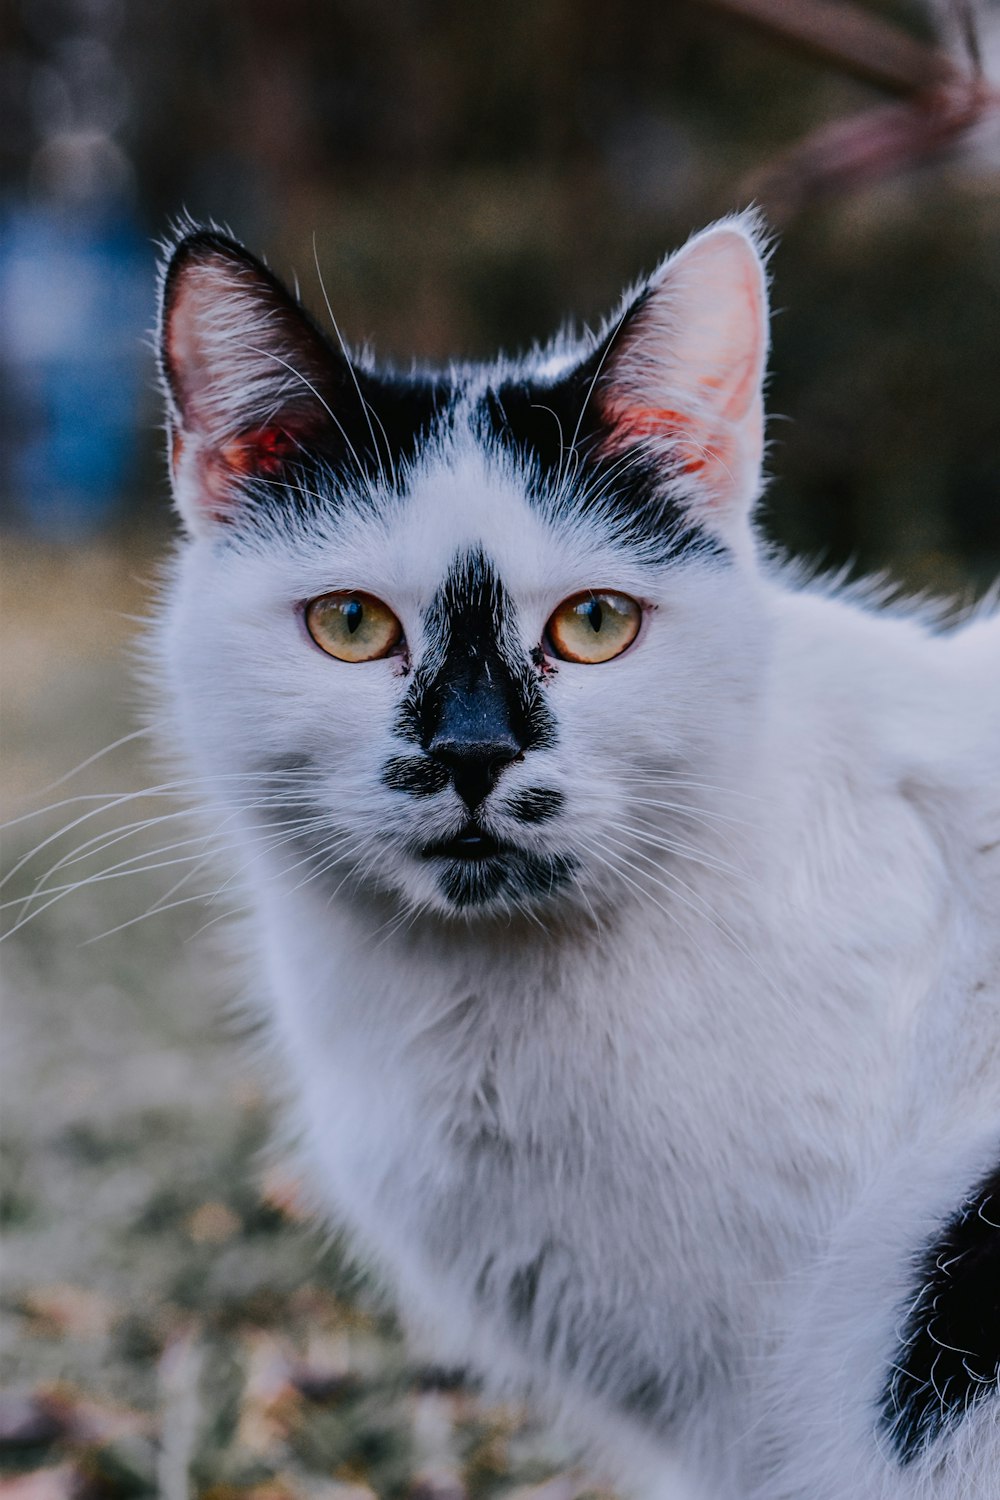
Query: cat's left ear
column 250, row 381
column 684, row 372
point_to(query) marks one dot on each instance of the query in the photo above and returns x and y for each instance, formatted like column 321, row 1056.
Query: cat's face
column 477, row 639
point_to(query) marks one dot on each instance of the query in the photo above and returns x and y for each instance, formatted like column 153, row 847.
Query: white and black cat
column 627, row 912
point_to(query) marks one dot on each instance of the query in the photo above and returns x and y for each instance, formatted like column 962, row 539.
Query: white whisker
column 658, row 840
column 366, row 406
column 270, row 354
column 126, row 739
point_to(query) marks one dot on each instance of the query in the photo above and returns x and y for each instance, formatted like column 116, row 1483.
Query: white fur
column 727, row 1087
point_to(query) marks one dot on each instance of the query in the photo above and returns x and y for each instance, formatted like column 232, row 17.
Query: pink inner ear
column 263, row 451
column 243, row 365
column 742, row 343
column 685, row 376
column 637, row 424
column 213, row 473
column 711, row 327
column 189, row 312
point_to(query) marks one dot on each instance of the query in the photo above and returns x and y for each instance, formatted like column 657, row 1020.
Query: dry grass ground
column 171, row 1323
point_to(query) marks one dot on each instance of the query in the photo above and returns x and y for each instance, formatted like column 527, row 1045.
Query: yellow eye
column 353, row 626
column 594, row 626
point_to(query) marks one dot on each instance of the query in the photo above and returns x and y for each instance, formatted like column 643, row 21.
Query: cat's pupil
column 353, row 610
column 595, row 614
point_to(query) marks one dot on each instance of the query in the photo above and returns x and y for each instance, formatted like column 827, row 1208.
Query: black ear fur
column 201, row 249
column 684, row 375
column 255, row 389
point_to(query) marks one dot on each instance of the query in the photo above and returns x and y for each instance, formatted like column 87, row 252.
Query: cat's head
column 485, row 637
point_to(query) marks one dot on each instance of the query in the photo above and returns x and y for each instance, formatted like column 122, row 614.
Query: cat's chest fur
column 602, row 1148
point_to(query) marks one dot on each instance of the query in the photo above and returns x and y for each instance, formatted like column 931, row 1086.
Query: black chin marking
column 468, row 883
column 536, row 805
column 414, row 774
column 949, row 1358
column 514, row 874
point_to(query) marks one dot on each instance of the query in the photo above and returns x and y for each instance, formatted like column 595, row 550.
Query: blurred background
column 470, row 176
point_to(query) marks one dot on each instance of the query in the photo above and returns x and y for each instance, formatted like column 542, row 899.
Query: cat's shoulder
column 896, row 657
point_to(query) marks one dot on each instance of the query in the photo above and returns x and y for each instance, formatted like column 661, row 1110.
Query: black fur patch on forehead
column 391, row 422
column 376, row 432
column 554, row 427
column 470, row 640
column 949, row 1359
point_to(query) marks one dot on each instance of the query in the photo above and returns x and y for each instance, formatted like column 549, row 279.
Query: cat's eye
column 352, row 626
column 594, row 626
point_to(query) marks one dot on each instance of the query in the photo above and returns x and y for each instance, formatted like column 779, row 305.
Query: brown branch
column 941, row 100
column 967, row 25
column 849, row 38
column 845, row 155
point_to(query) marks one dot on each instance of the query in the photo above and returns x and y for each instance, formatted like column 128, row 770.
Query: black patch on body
column 949, row 1358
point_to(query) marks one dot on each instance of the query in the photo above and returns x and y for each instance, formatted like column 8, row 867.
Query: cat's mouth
column 475, row 869
column 470, row 842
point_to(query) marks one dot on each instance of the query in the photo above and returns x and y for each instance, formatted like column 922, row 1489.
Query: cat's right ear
column 250, row 382
column 683, row 373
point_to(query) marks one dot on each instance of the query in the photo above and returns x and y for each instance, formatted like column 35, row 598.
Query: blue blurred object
column 75, row 304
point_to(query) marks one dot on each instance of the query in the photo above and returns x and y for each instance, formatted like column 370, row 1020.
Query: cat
column 624, row 905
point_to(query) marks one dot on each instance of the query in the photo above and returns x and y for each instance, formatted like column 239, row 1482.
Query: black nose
column 474, row 734
column 475, row 765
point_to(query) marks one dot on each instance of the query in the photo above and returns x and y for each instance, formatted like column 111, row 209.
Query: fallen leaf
column 438, row 1486
column 69, row 1311
column 60, row 1483
column 213, row 1224
column 283, row 1191
column 270, row 1401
